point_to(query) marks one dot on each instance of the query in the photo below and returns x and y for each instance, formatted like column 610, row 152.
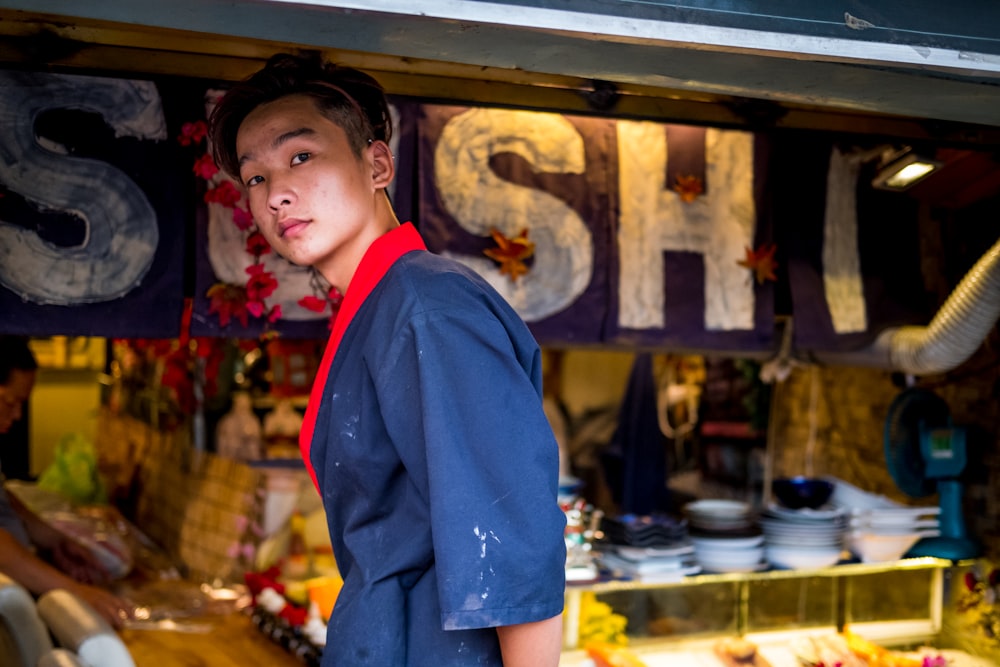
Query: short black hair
column 15, row 355
column 350, row 98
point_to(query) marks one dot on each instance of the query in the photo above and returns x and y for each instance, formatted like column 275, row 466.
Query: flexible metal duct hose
column 958, row 328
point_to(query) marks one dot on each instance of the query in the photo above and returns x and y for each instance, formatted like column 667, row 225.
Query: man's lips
column 290, row 226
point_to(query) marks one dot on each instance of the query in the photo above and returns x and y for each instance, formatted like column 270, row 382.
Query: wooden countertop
column 232, row 641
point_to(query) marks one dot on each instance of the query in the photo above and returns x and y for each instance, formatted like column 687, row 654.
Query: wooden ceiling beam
column 89, row 46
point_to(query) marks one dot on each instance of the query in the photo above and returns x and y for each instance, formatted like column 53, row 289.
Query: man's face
column 311, row 196
column 13, row 396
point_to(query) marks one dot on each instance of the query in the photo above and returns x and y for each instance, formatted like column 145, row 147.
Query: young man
column 21, row 531
column 425, row 432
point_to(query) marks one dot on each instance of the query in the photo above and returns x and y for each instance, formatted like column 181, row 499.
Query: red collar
column 379, row 257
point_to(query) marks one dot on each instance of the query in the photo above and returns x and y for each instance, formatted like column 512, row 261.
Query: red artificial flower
column 274, row 314
column 224, row 193
column 312, row 303
column 689, row 188
column 258, row 581
column 971, row 581
column 257, row 245
column 295, row 616
column 205, row 167
column 261, row 283
column 176, row 377
column 511, row 253
column 203, row 347
column 242, row 218
column 211, row 350
column 192, row 133
column 256, row 308
column 761, row 262
column 228, row 301
column 335, row 298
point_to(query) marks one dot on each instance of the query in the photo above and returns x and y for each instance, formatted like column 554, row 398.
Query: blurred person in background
column 24, row 537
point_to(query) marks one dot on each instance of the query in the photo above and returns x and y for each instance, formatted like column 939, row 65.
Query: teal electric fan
column 925, row 453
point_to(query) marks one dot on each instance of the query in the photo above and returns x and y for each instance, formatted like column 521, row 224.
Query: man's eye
column 254, row 180
column 299, row 158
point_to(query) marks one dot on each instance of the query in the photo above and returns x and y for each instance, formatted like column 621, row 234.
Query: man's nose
column 279, row 195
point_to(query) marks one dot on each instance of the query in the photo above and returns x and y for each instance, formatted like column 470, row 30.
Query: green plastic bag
column 74, row 472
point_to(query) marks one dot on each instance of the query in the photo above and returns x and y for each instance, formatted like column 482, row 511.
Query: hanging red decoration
column 228, row 301
column 761, row 262
column 175, row 365
column 511, row 253
column 689, row 188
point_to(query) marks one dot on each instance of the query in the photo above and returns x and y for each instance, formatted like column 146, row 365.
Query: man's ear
column 383, row 164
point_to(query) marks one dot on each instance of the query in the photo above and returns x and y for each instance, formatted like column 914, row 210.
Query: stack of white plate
column 804, row 538
column 651, row 564
column 716, row 515
column 729, row 553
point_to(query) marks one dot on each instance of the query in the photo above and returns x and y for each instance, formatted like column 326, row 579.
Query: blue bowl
column 802, row 492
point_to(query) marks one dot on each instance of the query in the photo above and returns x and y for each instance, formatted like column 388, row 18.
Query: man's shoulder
column 425, row 273
column 421, row 283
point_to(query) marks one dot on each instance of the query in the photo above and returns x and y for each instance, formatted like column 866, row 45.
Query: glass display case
column 898, row 603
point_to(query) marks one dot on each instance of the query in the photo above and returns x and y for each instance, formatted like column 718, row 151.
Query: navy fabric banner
column 92, row 212
column 597, row 231
column 630, row 248
column 853, row 251
column 689, row 211
column 514, row 171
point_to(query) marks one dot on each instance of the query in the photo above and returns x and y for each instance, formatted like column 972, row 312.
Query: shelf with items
column 903, row 599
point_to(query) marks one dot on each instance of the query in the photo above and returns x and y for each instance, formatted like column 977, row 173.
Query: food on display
column 848, row 649
column 604, row 654
column 599, row 623
column 738, row 652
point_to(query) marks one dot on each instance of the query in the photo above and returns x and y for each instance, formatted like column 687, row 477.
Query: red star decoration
column 761, row 262
column 688, row 187
column 511, row 253
column 228, row 301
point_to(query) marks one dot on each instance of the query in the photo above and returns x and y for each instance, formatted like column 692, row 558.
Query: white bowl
column 878, row 548
column 726, row 543
column 802, row 558
column 735, row 557
column 891, row 528
column 717, row 508
column 737, row 567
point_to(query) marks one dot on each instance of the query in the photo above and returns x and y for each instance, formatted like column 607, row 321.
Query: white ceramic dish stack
column 803, row 538
column 717, row 515
column 730, row 553
column 651, row 564
column 725, row 535
column 881, row 529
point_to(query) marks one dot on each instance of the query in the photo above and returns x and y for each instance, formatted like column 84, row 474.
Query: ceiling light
column 905, row 169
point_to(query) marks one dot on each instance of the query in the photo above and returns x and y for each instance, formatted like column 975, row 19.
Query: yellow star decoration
column 511, row 253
